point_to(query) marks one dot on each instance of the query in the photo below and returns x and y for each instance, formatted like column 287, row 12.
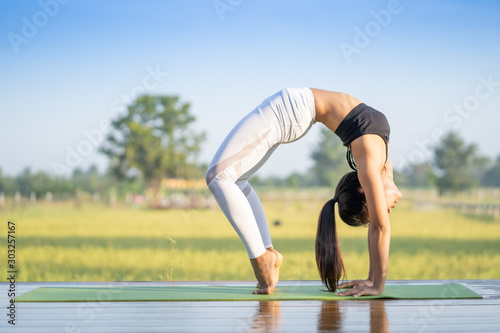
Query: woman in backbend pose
column 364, row 196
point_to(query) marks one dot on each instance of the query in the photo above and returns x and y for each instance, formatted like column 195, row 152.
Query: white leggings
column 282, row 118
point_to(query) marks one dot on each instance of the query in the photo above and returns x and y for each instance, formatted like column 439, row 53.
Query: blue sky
column 68, row 66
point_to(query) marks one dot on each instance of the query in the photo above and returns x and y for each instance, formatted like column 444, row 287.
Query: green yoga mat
column 234, row 293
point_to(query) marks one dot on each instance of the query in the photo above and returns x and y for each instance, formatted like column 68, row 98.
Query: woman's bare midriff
column 332, row 107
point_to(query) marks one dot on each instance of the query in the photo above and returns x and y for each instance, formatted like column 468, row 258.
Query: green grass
column 66, row 242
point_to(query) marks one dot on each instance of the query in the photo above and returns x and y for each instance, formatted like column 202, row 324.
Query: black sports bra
column 362, row 120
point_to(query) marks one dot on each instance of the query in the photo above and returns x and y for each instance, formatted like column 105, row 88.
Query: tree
column 2, row 182
column 458, row 164
column 153, row 140
column 491, row 177
column 416, row 175
column 329, row 159
column 293, row 180
column 6, row 184
column 24, row 182
column 42, row 183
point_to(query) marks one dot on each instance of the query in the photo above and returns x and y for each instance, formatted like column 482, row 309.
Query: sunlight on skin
column 263, row 267
column 266, row 269
column 277, row 265
column 392, row 193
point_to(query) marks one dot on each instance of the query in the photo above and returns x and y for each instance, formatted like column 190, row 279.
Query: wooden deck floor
column 474, row 315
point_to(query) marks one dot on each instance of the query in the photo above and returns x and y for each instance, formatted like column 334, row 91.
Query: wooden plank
column 208, row 309
column 235, row 326
column 352, row 316
column 291, row 320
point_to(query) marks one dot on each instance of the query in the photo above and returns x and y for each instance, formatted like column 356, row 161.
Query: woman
column 285, row 117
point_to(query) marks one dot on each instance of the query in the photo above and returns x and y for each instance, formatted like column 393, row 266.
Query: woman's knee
column 212, row 176
column 245, row 187
column 218, row 183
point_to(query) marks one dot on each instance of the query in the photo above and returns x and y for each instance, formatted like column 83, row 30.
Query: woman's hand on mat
column 356, row 283
column 360, row 291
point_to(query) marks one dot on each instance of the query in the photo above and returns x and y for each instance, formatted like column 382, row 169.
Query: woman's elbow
column 380, row 228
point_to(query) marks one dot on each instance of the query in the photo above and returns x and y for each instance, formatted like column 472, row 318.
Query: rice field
column 92, row 242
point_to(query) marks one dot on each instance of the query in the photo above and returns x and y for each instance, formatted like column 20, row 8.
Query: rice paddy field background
column 68, row 241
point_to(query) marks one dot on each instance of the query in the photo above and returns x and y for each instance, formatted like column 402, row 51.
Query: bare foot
column 279, row 260
column 277, row 265
column 263, row 268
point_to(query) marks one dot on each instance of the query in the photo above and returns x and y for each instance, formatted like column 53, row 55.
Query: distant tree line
column 40, row 183
column 154, row 139
column 455, row 166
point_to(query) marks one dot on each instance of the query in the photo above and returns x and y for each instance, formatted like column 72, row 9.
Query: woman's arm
column 370, row 270
column 379, row 230
column 369, row 154
column 361, row 283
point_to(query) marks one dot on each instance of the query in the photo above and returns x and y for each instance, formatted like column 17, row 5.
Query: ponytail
column 328, row 253
column 353, row 211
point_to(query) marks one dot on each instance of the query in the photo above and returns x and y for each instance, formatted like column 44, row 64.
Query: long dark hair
column 352, row 210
